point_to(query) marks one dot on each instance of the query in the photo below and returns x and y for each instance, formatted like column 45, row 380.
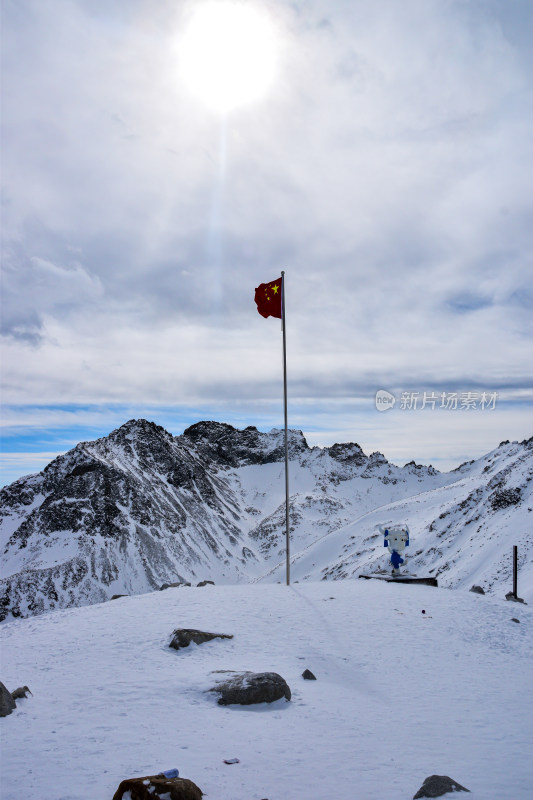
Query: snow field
column 399, row 695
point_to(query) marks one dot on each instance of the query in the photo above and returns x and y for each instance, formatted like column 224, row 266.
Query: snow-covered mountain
column 140, row 508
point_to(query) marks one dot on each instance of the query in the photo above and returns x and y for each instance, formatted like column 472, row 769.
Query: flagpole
column 287, row 542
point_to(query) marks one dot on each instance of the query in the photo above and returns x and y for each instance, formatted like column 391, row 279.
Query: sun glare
column 228, row 54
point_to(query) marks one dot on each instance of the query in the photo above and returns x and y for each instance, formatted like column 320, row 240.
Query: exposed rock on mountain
column 141, row 508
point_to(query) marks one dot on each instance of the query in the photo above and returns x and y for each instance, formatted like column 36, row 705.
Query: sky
column 386, row 168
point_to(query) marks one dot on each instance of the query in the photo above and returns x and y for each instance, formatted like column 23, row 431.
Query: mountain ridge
column 140, row 507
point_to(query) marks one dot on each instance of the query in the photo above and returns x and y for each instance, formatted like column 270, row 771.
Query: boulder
column 206, row 583
column 182, row 637
column 477, row 589
column 7, row 703
column 308, row 675
column 437, row 785
column 247, row 688
column 510, row 596
column 153, row 787
column 173, row 585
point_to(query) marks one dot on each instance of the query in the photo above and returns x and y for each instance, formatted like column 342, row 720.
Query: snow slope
column 399, row 695
column 462, row 532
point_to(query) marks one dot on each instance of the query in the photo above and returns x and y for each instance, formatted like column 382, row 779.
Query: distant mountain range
column 140, row 508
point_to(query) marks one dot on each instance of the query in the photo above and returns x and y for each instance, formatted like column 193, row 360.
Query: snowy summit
column 399, row 695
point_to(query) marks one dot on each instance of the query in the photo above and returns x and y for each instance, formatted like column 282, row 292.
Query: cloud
column 34, row 289
column 386, row 172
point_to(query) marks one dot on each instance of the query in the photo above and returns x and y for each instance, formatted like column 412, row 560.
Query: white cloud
column 386, row 171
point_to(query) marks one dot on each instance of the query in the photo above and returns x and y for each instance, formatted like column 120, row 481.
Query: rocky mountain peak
column 419, row 469
column 347, row 453
column 139, row 427
column 137, row 442
column 377, row 458
column 230, row 447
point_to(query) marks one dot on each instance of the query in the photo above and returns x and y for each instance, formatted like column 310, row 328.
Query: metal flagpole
column 286, row 428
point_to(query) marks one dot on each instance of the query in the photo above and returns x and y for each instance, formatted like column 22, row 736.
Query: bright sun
column 228, row 54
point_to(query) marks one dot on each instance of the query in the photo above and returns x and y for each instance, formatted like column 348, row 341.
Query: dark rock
column 510, row 596
column 308, row 675
column 7, row 703
column 247, row 688
column 205, row 583
column 437, row 785
column 503, row 498
column 173, row 585
column 229, row 447
column 20, row 692
column 514, row 619
column 116, row 596
column 347, row 453
column 83, row 469
column 153, row 787
column 477, row 589
column 182, row 637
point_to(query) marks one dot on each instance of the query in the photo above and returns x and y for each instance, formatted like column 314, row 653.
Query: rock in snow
column 247, row 688
column 182, row 637
column 437, row 785
column 153, row 787
column 172, row 585
column 510, row 596
column 140, row 509
column 7, row 703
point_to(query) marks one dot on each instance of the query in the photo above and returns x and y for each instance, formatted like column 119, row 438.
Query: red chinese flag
column 268, row 298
